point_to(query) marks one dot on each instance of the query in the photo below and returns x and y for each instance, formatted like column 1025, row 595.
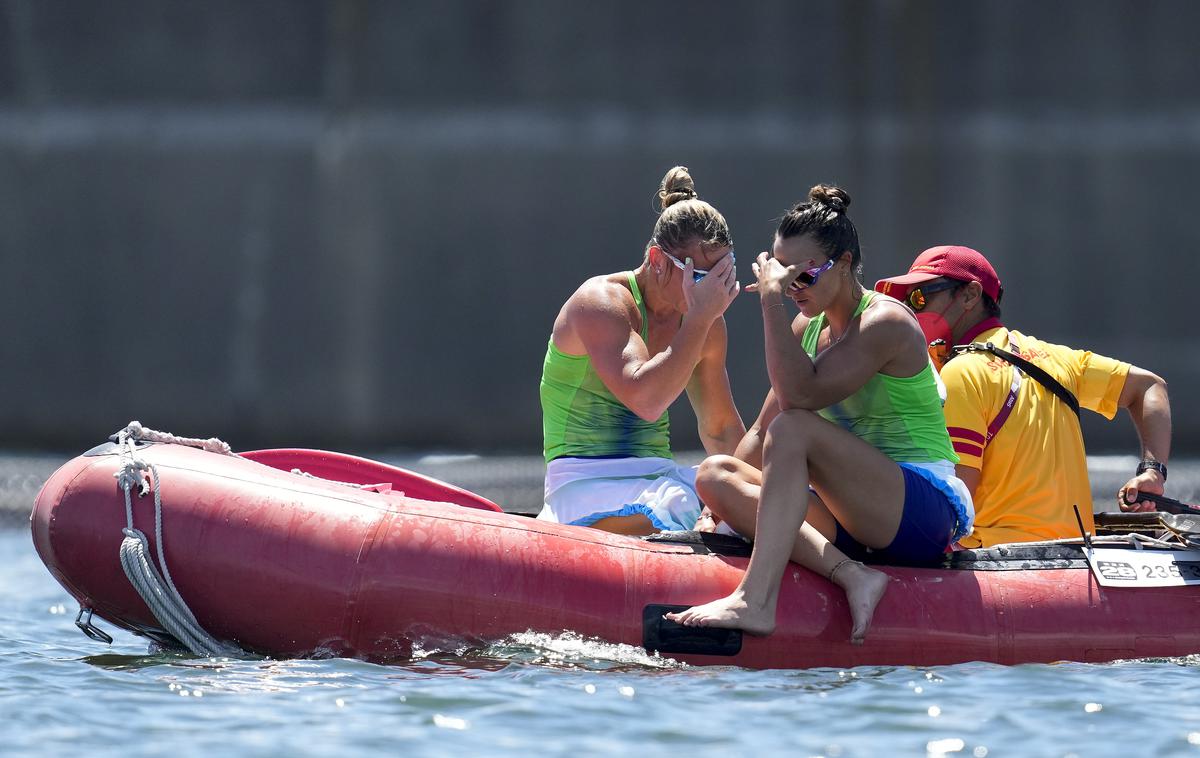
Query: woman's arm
column 717, row 418
column 873, row 342
column 750, row 449
column 885, row 337
column 602, row 316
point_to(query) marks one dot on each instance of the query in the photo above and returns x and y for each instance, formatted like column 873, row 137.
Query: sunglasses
column 697, row 274
column 809, row 277
column 918, row 297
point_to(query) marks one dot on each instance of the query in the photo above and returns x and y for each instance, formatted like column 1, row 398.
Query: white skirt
column 581, row 491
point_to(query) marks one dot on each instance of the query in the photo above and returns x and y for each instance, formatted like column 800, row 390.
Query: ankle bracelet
column 838, row 565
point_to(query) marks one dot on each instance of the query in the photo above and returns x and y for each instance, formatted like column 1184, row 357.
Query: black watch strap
column 1150, row 463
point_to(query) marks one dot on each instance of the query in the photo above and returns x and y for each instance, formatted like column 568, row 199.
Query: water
column 551, row 695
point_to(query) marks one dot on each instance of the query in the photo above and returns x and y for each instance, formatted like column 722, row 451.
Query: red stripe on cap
column 969, row 435
column 966, row 449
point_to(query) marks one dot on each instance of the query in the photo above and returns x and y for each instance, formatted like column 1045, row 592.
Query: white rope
column 162, row 598
column 314, row 477
column 1099, row 539
column 135, row 431
column 1138, row 540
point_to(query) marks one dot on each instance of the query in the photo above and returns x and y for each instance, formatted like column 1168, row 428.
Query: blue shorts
column 926, row 528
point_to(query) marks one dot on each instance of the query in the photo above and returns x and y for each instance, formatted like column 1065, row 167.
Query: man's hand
column 1148, row 481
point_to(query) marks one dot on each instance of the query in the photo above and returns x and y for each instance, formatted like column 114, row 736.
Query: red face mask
column 939, row 335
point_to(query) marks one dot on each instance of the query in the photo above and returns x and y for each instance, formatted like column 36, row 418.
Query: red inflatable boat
column 287, row 565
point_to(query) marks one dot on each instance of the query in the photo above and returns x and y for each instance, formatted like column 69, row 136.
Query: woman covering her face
column 624, row 347
column 851, row 440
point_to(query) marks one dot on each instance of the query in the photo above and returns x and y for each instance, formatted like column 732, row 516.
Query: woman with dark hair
column 624, row 347
column 851, row 440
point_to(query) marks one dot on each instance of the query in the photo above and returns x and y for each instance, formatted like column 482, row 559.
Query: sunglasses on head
column 918, row 297
column 809, row 276
column 697, row 274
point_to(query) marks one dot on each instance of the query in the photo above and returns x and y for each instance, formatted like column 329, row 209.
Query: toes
column 683, row 618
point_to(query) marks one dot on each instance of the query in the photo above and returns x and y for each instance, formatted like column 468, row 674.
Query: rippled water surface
column 63, row 693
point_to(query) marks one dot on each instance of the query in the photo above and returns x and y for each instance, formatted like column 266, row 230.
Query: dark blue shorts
column 925, row 528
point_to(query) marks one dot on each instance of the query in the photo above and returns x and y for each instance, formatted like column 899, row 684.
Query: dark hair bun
column 676, row 186
column 835, row 198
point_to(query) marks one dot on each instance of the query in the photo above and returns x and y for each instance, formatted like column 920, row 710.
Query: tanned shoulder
column 602, row 308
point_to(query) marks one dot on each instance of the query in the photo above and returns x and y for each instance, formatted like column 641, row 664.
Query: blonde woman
column 623, row 348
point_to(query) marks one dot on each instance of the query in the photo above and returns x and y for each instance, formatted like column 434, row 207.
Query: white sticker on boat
column 1116, row 567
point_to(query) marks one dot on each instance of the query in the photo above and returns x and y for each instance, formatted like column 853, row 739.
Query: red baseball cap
column 951, row 261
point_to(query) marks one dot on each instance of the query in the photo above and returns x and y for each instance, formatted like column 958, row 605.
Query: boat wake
column 568, row 650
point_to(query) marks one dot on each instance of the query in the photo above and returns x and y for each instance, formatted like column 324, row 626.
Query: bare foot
column 731, row 612
column 864, row 588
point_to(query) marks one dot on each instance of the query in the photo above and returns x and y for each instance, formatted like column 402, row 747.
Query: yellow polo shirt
column 1035, row 468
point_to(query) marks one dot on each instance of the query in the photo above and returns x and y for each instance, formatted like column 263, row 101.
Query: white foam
column 572, row 649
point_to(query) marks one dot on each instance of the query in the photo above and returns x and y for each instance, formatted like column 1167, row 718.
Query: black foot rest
column 705, row 543
column 662, row 636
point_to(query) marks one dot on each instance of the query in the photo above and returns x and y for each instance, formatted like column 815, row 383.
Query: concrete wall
column 352, row 223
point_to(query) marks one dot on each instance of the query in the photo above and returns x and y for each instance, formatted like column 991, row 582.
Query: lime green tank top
column 582, row 418
column 900, row 416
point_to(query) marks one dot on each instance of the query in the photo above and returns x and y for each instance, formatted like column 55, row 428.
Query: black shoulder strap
column 1034, row 372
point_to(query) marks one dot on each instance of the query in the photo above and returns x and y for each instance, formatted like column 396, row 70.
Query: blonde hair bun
column 676, row 187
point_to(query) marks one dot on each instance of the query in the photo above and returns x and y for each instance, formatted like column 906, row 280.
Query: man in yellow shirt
column 1018, row 440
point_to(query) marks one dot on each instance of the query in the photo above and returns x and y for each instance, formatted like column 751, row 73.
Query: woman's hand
column 709, row 297
column 707, row 522
column 774, row 278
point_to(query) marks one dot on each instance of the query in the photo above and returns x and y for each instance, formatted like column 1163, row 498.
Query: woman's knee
column 791, row 428
column 716, row 475
column 716, row 471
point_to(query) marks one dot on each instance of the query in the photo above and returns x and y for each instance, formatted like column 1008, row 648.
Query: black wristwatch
column 1150, row 463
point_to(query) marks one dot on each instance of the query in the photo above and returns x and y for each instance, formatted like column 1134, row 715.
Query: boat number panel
column 1115, row 567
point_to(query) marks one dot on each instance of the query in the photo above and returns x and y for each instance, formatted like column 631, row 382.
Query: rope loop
column 158, row 590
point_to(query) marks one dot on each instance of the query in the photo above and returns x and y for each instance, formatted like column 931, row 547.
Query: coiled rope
column 158, row 590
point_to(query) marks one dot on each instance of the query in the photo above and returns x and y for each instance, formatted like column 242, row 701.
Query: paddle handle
column 1167, row 504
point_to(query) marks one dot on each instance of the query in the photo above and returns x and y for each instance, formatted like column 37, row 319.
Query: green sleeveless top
column 901, row 416
column 582, row 418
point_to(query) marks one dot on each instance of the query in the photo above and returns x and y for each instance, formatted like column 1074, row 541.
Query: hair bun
column 676, row 187
column 835, row 198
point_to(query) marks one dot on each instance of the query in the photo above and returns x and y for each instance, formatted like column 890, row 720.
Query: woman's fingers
column 790, row 273
column 730, row 274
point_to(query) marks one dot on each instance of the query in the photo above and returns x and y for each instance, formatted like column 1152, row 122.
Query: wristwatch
column 1150, row 463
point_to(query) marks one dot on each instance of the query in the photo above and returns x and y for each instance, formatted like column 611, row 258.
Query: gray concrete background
column 350, row 224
